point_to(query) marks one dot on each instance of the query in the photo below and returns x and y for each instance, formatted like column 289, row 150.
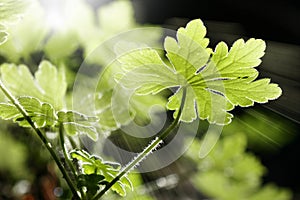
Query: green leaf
column 229, row 172
column 73, row 128
column 3, row 34
column 9, row 111
column 21, row 43
column 10, row 9
column 126, row 108
column 95, row 165
column 77, row 123
column 48, row 85
column 215, row 82
column 90, row 182
column 52, row 83
column 42, row 114
column 73, row 116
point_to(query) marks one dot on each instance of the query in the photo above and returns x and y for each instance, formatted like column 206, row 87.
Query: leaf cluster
column 43, row 102
column 229, row 172
column 98, row 172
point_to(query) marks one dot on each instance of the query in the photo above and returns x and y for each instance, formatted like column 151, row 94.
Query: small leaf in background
column 10, row 9
column 77, row 123
column 24, row 41
column 229, row 172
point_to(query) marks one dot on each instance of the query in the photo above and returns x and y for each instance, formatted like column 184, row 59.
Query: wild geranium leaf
column 95, row 165
column 9, row 111
column 48, row 85
column 52, row 83
column 116, row 107
column 77, row 123
column 215, row 82
column 42, row 114
column 73, row 128
column 73, row 116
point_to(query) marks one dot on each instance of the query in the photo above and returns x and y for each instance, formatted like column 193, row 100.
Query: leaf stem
column 41, row 136
column 150, row 148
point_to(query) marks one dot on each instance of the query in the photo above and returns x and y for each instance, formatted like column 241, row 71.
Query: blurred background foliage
column 256, row 158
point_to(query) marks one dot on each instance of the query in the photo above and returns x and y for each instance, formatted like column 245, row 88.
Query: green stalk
column 67, row 158
column 41, row 136
column 150, row 148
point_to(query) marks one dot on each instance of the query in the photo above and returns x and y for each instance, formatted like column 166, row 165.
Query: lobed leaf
column 42, row 114
column 48, row 85
column 96, row 165
column 77, row 123
column 216, row 81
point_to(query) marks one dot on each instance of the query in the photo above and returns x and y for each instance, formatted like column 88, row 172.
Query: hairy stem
column 150, row 148
column 41, row 136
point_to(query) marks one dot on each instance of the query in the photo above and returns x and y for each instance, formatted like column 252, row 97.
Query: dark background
column 277, row 22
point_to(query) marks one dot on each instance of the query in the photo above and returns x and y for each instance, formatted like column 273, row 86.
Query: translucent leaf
column 215, row 82
column 48, row 85
column 21, row 42
column 116, row 16
column 73, row 116
column 10, row 9
column 52, row 83
column 126, row 107
column 9, row 111
column 42, row 114
column 73, row 128
column 77, row 123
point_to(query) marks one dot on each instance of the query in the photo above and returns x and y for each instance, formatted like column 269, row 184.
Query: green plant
column 209, row 83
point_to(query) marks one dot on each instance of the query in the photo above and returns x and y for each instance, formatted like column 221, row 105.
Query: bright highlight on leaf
column 47, row 85
column 42, row 97
column 216, row 81
column 42, row 114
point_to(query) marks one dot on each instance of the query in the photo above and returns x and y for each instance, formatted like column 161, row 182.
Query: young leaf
column 48, row 85
column 74, row 123
column 215, row 82
column 42, row 114
column 95, row 165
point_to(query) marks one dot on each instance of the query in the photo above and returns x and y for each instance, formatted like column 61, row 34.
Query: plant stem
column 41, row 136
column 67, row 158
column 150, row 148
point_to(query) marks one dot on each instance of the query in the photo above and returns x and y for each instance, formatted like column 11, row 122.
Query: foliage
column 208, row 83
column 95, row 169
column 43, row 102
column 229, row 172
column 9, row 11
column 216, row 81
